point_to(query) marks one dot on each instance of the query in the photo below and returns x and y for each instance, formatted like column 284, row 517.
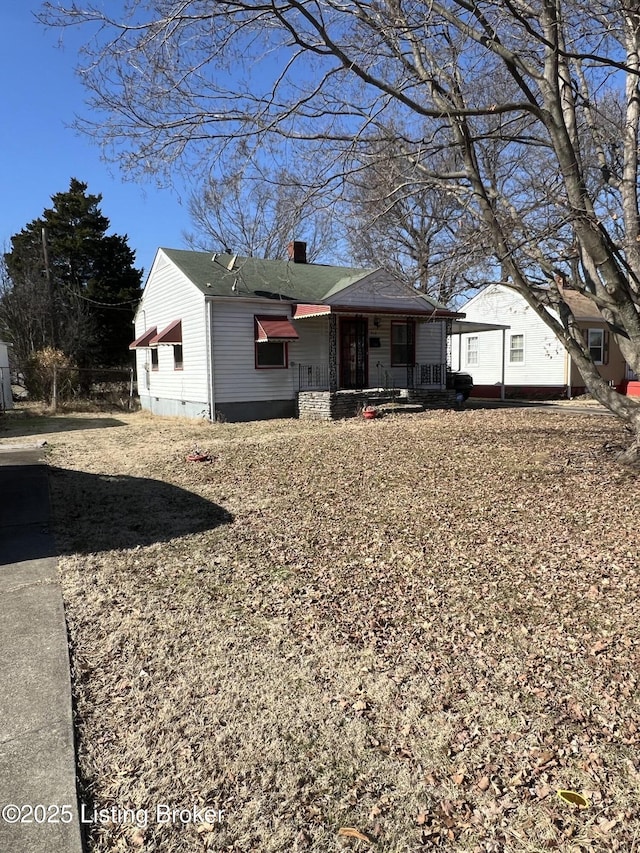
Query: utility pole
column 47, row 272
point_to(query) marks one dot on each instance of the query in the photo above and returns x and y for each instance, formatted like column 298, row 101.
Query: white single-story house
column 525, row 358
column 6, row 397
column 223, row 337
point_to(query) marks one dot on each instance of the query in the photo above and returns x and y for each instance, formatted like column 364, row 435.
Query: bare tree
column 410, row 225
column 537, row 100
column 25, row 312
column 257, row 213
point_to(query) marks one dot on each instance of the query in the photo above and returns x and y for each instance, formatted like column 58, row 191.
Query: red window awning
column 271, row 329
column 145, row 337
column 171, row 335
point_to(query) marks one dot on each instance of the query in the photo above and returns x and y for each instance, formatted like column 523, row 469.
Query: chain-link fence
column 111, row 387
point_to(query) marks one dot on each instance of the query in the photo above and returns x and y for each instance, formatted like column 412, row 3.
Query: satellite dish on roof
column 232, row 262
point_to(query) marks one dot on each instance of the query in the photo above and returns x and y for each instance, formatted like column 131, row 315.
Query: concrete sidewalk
column 37, row 758
column 566, row 407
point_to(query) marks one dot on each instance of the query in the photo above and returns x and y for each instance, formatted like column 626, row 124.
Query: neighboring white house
column 6, row 397
column 219, row 336
column 527, row 357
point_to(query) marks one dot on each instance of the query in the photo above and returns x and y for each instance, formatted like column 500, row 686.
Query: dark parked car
column 462, row 383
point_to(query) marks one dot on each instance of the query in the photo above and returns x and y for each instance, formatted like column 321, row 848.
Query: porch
column 334, row 405
column 412, row 385
column 369, row 357
column 383, row 377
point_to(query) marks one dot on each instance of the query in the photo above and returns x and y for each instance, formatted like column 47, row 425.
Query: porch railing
column 428, row 374
column 315, row 377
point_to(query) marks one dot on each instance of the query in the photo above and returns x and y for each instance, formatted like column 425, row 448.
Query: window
column 177, row 356
column 516, row 349
column 403, row 343
column 154, row 358
column 472, row 351
column 271, row 354
column 595, row 341
column 272, row 335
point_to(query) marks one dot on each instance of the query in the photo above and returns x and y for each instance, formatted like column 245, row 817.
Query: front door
column 354, row 372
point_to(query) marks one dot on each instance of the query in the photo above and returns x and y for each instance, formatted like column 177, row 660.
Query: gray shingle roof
column 280, row 280
column 257, row 277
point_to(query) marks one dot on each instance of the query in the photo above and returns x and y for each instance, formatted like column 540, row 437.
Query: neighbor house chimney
column 297, row 252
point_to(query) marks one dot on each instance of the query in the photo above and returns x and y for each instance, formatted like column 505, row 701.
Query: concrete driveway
column 38, row 800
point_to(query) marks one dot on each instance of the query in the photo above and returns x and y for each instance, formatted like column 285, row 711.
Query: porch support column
column 333, row 353
column 504, row 356
column 409, row 366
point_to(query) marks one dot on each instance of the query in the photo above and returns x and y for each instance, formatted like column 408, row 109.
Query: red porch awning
column 143, row 340
column 310, row 311
column 271, row 329
column 415, row 309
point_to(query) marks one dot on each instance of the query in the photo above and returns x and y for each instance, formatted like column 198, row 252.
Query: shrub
column 39, row 375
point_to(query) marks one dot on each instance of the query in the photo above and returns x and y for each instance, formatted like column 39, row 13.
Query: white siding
column 430, row 349
column 377, row 291
column 313, row 346
column 169, row 296
column 544, row 356
column 431, row 343
column 236, row 378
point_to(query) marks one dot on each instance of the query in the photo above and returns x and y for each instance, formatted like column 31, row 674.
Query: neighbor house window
column 595, row 340
column 177, row 356
column 154, row 358
column 516, row 349
column 403, row 343
column 472, row 351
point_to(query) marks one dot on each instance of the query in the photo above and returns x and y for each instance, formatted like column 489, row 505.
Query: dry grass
column 421, row 627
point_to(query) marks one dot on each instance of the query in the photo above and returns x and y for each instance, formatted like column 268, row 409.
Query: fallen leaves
column 350, row 832
column 377, row 638
column 576, row 799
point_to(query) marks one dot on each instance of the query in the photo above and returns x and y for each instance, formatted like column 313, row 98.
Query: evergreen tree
column 74, row 290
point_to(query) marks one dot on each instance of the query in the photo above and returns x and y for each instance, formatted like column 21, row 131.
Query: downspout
column 446, row 345
column 145, row 368
column 504, row 356
column 208, row 325
column 567, row 367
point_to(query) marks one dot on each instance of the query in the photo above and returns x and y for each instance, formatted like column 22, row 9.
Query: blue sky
column 40, row 152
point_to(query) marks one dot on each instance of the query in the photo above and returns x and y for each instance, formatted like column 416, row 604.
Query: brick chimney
column 297, row 250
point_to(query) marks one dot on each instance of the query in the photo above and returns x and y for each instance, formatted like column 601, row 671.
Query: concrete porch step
column 375, row 398
column 400, row 408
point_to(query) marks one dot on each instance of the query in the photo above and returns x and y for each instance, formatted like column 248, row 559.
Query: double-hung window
column 472, row 351
column 516, row 349
column 402, row 343
column 595, row 341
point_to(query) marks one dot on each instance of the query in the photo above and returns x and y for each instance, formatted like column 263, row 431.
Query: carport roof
column 465, row 327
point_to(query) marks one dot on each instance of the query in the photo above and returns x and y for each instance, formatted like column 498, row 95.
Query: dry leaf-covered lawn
column 420, row 627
